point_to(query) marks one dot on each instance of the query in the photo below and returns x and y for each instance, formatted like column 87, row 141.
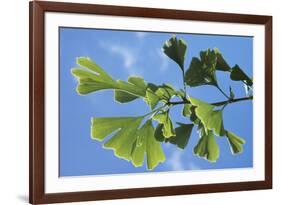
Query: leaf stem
column 153, row 111
column 232, row 101
column 184, row 86
column 216, row 103
column 218, row 87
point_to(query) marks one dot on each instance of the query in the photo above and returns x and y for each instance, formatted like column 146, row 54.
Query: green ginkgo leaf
column 154, row 152
column 128, row 141
column 183, row 132
column 175, row 49
column 125, row 97
column 91, row 78
column 139, row 146
column 202, row 71
column 150, row 96
column 122, row 141
column 163, row 117
column 221, row 64
column 187, row 110
column 215, row 122
column 207, row 147
column 158, row 134
column 155, row 94
column 235, row 142
column 210, row 118
column 237, row 74
column 102, row 127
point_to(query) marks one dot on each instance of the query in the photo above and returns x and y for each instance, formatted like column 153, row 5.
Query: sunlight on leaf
column 207, row 147
column 168, row 128
column 154, row 152
column 187, row 110
column 211, row 119
column 235, row 142
column 125, row 97
column 128, row 141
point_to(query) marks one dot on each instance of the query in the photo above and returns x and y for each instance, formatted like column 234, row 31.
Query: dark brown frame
column 37, row 194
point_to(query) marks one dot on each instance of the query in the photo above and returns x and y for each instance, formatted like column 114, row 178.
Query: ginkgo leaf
column 139, row 147
column 221, row 63
column 154, row 152
column 122, row 141
column 183, row 132
column 89, row 64
column 207, row 147
column 235, row 142
column 175, row 49
column 215, row 122
column 102, row 127
column 211, row 119
column 166, row 92
column 150, row 96
column 168, row 128
column 125, row 97
column 200, row 73
column 203, row 71
column 237, row 74
column 187, row 110
column 158, row 134
column 92, row 78
column 155, row 94
column 128, row 141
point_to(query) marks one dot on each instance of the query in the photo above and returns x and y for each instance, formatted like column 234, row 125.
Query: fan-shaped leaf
column 207, row 146
column 95, row 79
column 200, row 72
column 221, row 63
column 129, row 142
column 124, row 97
column 155, row 94
column 235, row 142
column 237, row 74
column 183, row 132
column 168, row 128
column 203, row 71
column 154, row 152
column 211, row 119
column 186, row 110
column 175, row 49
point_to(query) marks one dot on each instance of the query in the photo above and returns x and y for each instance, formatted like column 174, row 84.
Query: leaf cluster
column 135, row 138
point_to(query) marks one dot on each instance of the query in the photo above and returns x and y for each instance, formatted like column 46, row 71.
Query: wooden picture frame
column 38, row 9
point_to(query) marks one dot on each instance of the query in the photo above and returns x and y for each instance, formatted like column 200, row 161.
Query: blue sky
column 125, row 53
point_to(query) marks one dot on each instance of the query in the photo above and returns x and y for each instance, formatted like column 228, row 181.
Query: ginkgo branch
column 215, row 103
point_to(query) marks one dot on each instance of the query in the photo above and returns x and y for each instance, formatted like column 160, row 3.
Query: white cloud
column 164, row 61
column 141, row 35
column 129, row 57
column 175, row 161
column 179, row 162
column 192, row 166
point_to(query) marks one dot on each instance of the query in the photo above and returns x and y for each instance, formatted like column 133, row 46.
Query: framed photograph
column 139, row 102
